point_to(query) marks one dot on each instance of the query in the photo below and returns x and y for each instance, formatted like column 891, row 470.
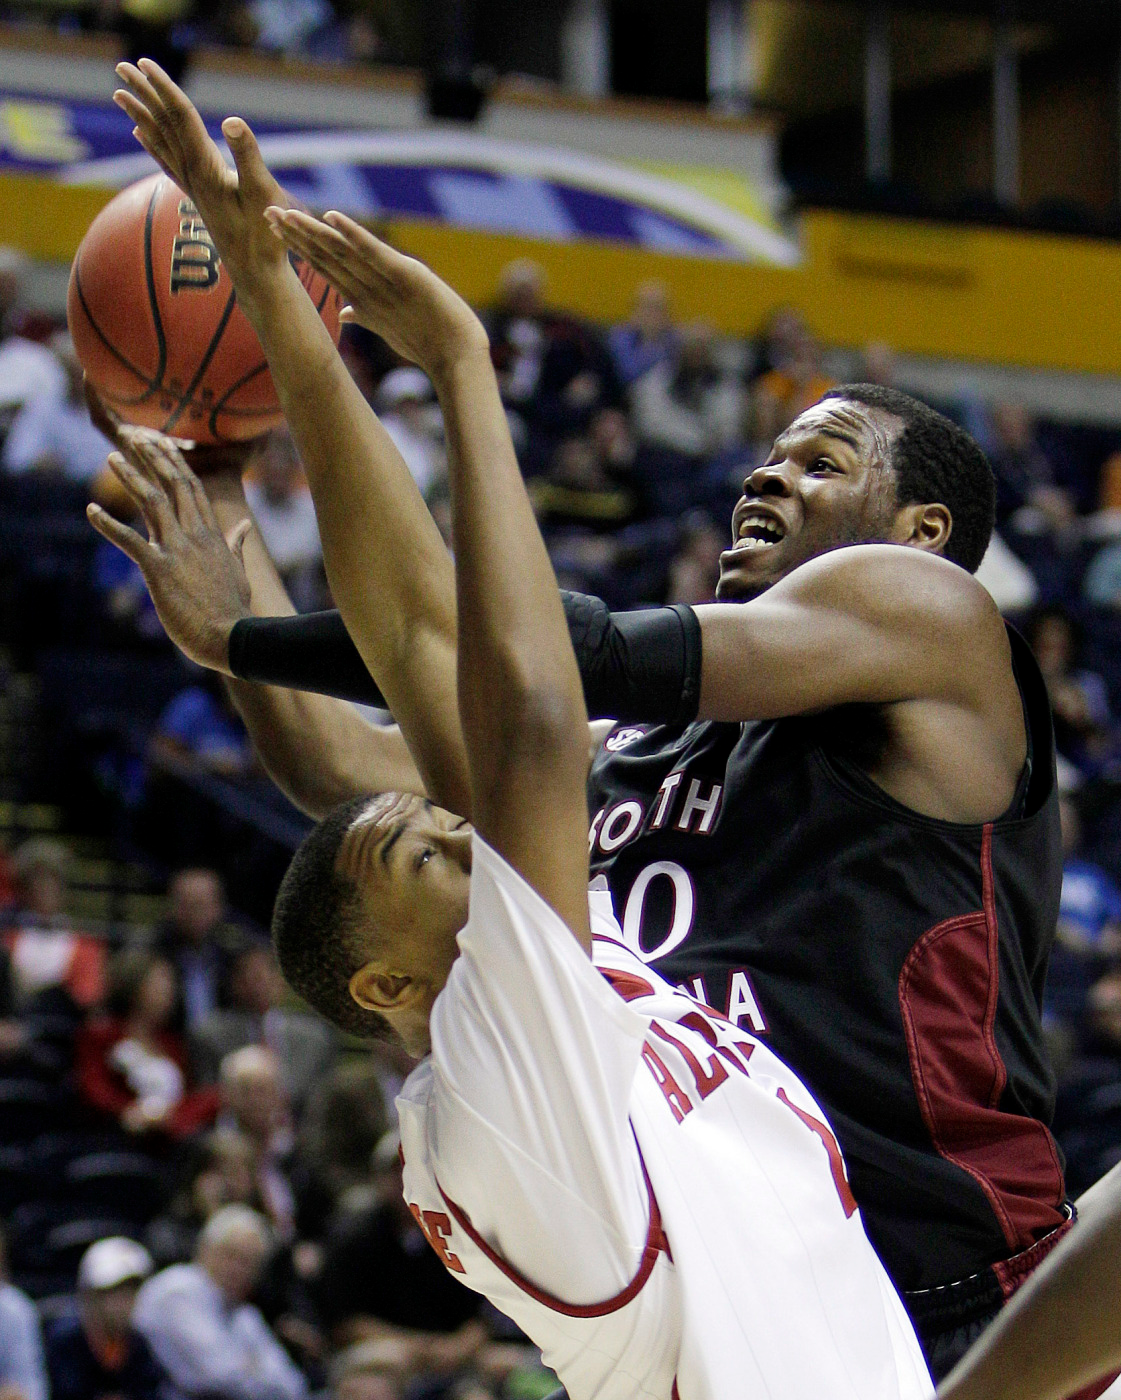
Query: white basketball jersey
column 651, row 1195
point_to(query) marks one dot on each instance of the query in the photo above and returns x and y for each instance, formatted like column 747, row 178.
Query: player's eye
column 422, row 857
column 821, row 465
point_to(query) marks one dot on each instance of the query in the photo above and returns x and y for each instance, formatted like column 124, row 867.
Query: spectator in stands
column 200, row 1324
column 55, row 968
column 551, row 369
column 1088, row 935
column 199, row 940
column 52, row 432
column 221, row 1174
column 1105, row 522
column 409, row 414
column 782, row 393
column 95, row 1352
column 695, row 569
column 1028, row 495
column 687, row 402
column 1009, row 581
column 371, row 1371
column 1079, row 699
column 200, row 728
column 28, row 369
column 378, row 1281
column 877, row 365
column 278, row 496
column 518, row 331
column 780, row 342
column 580, row 492
column 255, row 1102
column 346, row 1117
column 1102, row 581
column 23, row 1374
column 647, row 338
column 131, row 1064
column 304, row 1045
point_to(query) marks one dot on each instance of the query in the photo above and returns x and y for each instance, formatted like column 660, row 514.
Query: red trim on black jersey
column 656, row 1243
column 948, row 991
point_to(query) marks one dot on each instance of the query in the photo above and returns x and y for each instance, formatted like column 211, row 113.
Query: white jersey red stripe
column 646, row 1190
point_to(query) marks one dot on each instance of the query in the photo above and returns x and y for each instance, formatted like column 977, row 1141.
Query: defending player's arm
column 520, row 697
column 387, row 565
column 319, row 751
column 1059, row 1333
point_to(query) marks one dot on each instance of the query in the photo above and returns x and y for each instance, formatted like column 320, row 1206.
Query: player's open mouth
column 757, row 530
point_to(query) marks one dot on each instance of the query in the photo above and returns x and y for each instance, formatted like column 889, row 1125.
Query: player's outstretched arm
column 1059, row 1333
column 388, row 568
column 319, row 751
column 520, row 698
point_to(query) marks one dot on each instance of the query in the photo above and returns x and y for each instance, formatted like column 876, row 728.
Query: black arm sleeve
column 637, row 667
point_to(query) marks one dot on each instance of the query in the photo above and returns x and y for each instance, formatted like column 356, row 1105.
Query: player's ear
column 923, row 527
column 376, row 989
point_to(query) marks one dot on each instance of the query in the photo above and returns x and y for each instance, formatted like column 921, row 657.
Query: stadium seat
column 47, row 1238
column 119, row 1183
column 16, row 1177
column 29, row 1108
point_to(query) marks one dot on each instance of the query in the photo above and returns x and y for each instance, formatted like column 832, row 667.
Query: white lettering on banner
column 683, row 904
column 743, row 1004
column 612, row 834
column 665, row 796
column 705, row 805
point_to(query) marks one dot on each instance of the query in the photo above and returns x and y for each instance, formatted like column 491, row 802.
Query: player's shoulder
column 901, row 587
column 917, row 576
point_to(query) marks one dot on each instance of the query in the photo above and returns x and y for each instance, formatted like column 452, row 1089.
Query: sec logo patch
column 621, row 738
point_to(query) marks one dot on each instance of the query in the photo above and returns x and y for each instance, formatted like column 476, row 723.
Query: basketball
column 156, row 323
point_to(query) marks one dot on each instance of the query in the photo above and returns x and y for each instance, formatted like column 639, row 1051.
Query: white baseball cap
column 113, row 1261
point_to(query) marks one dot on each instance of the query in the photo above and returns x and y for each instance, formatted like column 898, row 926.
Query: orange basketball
column 157, row 326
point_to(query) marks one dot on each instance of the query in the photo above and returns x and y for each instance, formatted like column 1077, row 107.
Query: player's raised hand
column 231, row 202
column 395, row 296
column 195, row 576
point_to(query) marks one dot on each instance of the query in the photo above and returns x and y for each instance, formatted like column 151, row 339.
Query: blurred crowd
column 353, row 31
column 200, row 1182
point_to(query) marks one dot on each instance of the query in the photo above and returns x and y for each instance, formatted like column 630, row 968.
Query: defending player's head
column 367, row 915
column 864, row 465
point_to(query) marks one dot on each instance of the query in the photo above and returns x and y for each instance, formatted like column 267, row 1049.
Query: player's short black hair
column 315, row 926
column 936, row 461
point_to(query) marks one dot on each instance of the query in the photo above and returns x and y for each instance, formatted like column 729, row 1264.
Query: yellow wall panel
column 960, row 292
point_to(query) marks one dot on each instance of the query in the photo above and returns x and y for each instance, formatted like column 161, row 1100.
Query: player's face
column 828, row 482
column 411, row 863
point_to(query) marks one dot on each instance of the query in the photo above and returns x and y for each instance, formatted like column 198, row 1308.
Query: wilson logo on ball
column 194, row 258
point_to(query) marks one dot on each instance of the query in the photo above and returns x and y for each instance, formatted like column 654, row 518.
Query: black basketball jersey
column 895, row 961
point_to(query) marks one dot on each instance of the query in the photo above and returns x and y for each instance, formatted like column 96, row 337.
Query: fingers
column 320, row 245
column 254, row 176
column 126, row 539
column 147, row 129
column 181, row 118
column 167, row 124
column 149, row 499
column 165, row 467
